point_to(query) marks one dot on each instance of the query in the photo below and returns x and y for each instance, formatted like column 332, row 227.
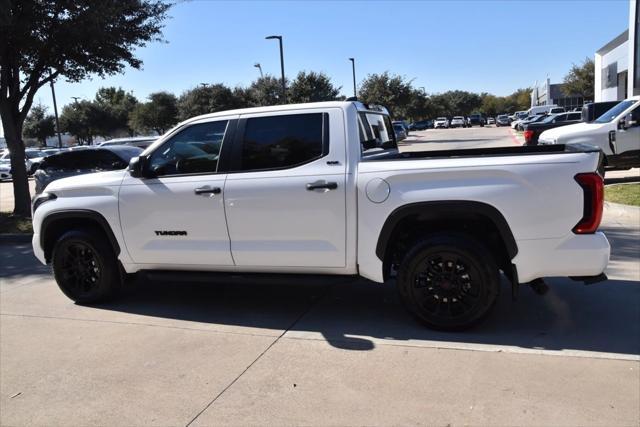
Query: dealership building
column 617, row 63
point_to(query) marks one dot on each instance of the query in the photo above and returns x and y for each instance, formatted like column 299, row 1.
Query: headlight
column 40, row 199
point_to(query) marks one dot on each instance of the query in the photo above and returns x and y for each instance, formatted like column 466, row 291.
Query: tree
column 265, row 91
column 115, row 106
column 312, row 87
column 39, row 125
column 43, row 40
column 206, row 99
column 83, row 120
column 392, row 91
column 581, row 80
column 159, row 114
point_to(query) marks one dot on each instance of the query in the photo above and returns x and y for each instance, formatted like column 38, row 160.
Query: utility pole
column 353, row 68
column 55, row 112
column 284, row 85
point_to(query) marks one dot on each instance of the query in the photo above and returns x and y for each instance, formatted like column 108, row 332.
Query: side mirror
column 138, row 167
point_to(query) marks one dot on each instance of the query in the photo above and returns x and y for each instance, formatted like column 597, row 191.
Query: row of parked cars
column 614, row 127
column 47, row 165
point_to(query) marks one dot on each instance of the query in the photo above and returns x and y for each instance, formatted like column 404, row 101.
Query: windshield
column 32, row 154
column 441, row 118
column 615, row 111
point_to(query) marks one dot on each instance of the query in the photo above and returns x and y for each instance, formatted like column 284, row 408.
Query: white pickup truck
column 616, row 133
column 321, row 189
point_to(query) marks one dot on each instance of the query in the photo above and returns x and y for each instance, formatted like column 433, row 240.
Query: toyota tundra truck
column 321, row 189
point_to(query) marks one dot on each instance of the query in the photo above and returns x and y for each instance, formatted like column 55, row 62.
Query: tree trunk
column 13, row 134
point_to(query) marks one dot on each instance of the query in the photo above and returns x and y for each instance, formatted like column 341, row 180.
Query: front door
column 285, row 193
column 177, row 217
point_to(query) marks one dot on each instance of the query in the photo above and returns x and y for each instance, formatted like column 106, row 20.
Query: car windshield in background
column 375, row 132
column 32, row 154
column 615, row 111
column 441, row 118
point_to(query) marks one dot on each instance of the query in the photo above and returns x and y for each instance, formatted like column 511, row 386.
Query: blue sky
column 492, row 46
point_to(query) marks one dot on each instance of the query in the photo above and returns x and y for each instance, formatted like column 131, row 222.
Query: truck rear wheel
column 449, row 281
column 85, row 267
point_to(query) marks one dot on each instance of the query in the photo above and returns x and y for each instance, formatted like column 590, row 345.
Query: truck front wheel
column 85, row 267
column 449, row 281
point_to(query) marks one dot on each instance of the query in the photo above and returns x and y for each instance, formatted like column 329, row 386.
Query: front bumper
column 38, row 251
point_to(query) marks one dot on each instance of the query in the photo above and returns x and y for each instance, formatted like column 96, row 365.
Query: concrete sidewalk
column 182, row 354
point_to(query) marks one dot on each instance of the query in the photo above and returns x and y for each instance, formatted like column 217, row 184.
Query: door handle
column 319, row 185
column 207, row 190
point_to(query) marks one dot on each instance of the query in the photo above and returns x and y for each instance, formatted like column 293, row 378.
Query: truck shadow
column 361, row 314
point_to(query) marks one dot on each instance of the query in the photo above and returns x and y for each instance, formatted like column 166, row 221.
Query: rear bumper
column 574, row 255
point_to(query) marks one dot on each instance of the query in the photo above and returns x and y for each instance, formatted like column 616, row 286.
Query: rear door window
column 284, row 141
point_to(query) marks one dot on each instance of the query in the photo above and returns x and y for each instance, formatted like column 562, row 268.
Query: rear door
column 285, row 192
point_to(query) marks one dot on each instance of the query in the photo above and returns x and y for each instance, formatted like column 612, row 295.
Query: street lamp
column 259, row 67
column 204, row 84
column 75, row 99
column 353, row 68
column 284, row 87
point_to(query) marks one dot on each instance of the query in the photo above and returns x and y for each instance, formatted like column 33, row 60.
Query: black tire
column 445, row 294
column 85, row 267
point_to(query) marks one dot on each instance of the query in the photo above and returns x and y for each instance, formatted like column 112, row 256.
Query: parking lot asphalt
column 460, row 138
column 253, row 354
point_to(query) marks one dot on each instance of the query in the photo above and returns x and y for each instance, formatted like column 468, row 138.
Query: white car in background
column 441, row 122
column 458, row 122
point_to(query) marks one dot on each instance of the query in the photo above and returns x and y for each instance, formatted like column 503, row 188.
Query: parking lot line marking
column 514, row 138
column 295, row 322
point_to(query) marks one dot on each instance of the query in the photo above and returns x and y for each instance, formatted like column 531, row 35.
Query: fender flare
column 444, row 209
column 79, row 214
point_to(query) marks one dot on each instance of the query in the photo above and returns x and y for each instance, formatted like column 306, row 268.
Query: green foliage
column 312, row 87
column 39, row 125
column 264, row 91
column 580, row 80
column 83, row 120
column 392, row 91
column 159, row 114
column 114, row 106
column 207, row 99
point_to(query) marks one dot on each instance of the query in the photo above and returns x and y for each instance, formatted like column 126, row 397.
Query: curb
column 16, row 238
column 620, row 210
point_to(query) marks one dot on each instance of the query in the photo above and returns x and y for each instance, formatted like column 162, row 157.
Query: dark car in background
column 503, row 120
column 401, row 133
column 531, row 119
column 135, row 141
column 79, row 162
column 421, row 125
column 532, row 131
column 476, row 119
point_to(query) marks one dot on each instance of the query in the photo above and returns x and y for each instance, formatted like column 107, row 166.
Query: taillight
column 593, row 188
column 528, row 136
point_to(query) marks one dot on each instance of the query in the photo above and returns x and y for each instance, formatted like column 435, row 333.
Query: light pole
column 204, row 84
column 55, row 112
column 353, row 68
column 75, row 99
column 284, row 86
column 424, row 91
column 259, row 67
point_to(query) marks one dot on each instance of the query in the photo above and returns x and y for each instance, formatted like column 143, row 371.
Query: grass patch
column 627, row 194
column 14, row 224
